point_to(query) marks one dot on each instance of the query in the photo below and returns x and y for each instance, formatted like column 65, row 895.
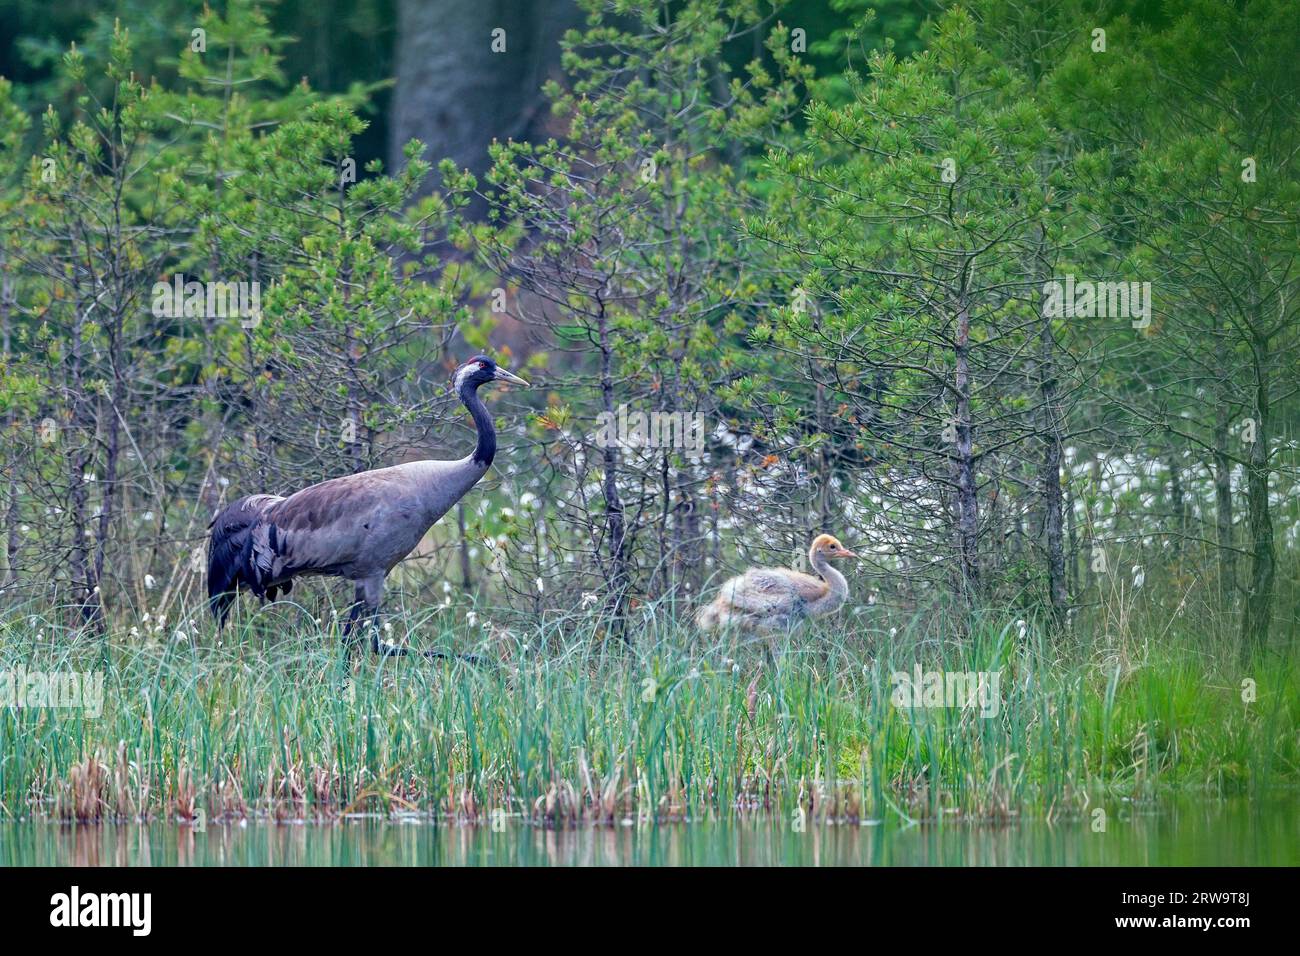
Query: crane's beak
column 846, row 553
column 503, row 376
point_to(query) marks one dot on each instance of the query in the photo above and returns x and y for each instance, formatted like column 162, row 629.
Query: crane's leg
column 370, row 592
column 365, row 610
column 365, row 614
column 365, row 605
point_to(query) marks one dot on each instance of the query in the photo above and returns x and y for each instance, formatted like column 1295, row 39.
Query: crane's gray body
column 357, row 526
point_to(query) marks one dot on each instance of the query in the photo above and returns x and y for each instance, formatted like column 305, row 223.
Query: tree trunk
column 80, row 457
column 1094, row 519
column 826, row 469
column 12, row 512
column 615, row 526
column 1259, row 600
column 964, row 466
column 1050, row 477
column 456, row 94
column 1223, row 508
column 466, row 577
column 1177, row 501
column 12, row 517
column 113, row 450
column 1072, row 538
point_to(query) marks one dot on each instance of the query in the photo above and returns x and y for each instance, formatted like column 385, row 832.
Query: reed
column 562, row 726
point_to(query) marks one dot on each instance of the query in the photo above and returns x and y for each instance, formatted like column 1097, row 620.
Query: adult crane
column 356, row 527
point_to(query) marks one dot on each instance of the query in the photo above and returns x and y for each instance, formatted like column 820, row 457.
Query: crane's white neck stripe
column 464, row 373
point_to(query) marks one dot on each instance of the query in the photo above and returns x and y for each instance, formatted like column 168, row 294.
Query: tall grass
column 562, row 725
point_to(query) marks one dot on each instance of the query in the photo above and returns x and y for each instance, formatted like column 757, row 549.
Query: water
column 1206, row 832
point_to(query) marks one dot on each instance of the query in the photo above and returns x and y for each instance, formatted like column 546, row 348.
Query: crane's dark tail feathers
column 230, row 550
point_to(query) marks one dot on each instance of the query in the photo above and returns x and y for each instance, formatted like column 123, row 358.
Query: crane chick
column 769, row 600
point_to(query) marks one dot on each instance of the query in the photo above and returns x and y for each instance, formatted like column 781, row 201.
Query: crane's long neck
column 837, row 588
column 486, row 448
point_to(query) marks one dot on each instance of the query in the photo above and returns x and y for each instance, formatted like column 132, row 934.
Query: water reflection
column 1235, row 832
